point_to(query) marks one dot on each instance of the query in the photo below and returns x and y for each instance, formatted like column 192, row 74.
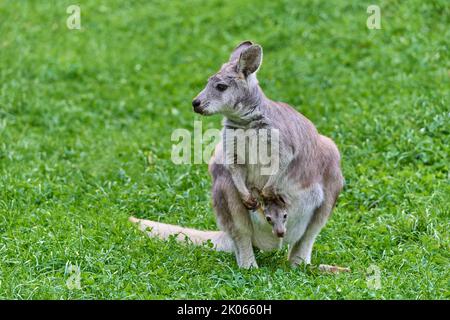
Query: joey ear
column 250, row 60
column 239, row 48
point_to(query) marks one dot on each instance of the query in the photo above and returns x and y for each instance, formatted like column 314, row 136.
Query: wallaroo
column 305, row 185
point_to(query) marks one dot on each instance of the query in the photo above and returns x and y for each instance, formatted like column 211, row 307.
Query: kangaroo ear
column 238, row 50
column 250, row 60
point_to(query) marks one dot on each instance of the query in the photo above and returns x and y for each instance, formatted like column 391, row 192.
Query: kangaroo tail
column 220, row 239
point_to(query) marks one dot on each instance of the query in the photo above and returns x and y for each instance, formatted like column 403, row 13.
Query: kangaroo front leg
column 238, row 177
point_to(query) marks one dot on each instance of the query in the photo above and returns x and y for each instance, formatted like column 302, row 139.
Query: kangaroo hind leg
column 234, row 219
column 302, row 249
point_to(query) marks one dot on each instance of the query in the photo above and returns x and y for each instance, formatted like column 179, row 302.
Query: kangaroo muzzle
column 197, row 105
column 279, row 232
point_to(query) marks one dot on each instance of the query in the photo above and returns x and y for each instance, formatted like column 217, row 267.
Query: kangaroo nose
column 196, row 103
column 280, row 234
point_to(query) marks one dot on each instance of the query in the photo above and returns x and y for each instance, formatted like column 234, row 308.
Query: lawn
column 86, row 118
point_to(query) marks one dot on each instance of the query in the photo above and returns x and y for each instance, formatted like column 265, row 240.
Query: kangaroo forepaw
column 250, row 203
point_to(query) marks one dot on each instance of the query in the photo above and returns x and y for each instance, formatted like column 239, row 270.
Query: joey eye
column 268, row 219
column 221, row 87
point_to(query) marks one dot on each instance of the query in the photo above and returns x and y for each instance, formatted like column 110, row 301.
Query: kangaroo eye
column 268, row 219
column 221, row 87
column 285, row 216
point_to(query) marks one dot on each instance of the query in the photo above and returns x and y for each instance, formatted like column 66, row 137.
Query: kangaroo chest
column 253, row 150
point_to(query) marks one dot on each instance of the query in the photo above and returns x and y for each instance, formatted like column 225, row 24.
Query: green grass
column 85, row 124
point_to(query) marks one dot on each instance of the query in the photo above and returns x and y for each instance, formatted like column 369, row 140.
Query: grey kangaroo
column 308, row 176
